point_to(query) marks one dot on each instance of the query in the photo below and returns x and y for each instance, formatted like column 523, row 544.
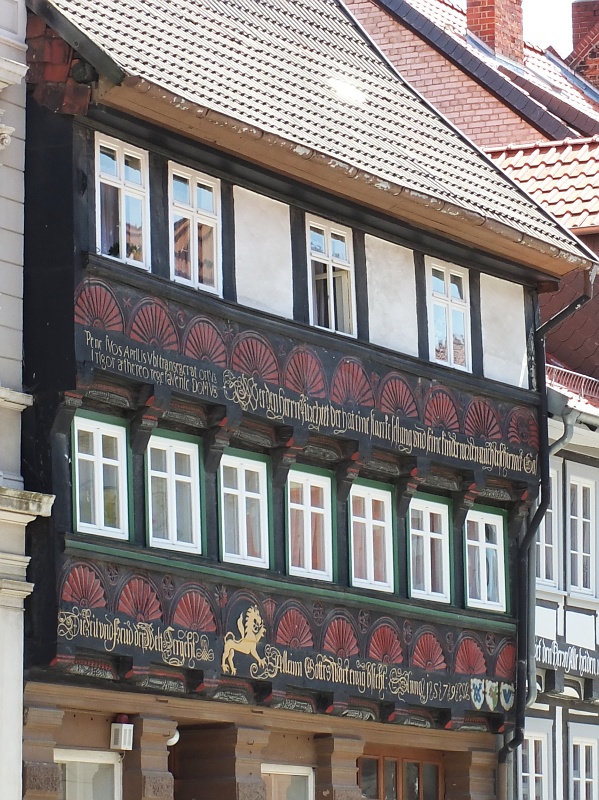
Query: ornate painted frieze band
column 228, row 642
column 142, row 338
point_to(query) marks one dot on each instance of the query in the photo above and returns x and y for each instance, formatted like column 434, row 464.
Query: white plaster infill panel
column 580, row 629
column 504, row 331
column 546, row 622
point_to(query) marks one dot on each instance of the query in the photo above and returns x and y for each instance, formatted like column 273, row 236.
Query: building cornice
column 11, row 72
column 22, row 507
column 9, row 398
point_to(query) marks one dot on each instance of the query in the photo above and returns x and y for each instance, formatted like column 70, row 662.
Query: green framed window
column 244, row 510
column 310, row 525
column 371, row 538
column 485, row 560
column 429, row 539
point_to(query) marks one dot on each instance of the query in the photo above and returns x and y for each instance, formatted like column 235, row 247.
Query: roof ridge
column 544, row 144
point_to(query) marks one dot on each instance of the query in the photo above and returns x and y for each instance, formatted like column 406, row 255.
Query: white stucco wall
column 391, row 296
column 263, row 253
column 504, row 331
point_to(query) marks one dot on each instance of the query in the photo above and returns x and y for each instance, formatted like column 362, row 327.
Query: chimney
column 585, row 15
column 499, row 24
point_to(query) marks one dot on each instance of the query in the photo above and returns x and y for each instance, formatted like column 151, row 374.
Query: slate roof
column 543, row 90
column 304, row 71
column 562, row 176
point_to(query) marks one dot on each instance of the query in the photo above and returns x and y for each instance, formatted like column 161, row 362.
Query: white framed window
column 288, row 781
column 195, row 241
column 429, row 550
column 581, row 520
column 485, row 567
column 244, row 510
column 173, row 486
column 547, row 537
column 534, row 768
column 89, row 774
column 332, row 294
column 100, row 456
column 584, row 784
column 309, row 525
column 449, row 314
column 371, row 538
column 122, row 202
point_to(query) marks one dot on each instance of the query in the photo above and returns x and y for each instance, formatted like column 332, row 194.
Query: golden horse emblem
column 252, row 629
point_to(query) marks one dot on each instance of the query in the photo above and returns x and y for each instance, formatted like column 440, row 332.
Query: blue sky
column 549, row 22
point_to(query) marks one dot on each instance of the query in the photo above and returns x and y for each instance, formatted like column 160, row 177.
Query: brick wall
column 499, row 24
column 585, row 15
column 481, row 116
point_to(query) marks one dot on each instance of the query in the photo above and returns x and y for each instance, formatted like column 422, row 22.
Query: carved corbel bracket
column 217, row 437
column 409, row 485
column 519, row 511
column 285, row 456
column 349, row 469
column 65, row 412
column 154, row 401
column 464, row 500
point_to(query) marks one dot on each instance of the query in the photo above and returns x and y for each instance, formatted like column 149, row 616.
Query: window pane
column 206, row 257
column 158, row 459
column 110, row 447
column 181, row 233
column 109, row 220
column 438, row 281
column 342, row 300
column 108, row 162
column 437, row 566
column 458, row 325
column 586, row 502
column 436, row 523
column 296, row 493
column 317, row 241
column 318, row 543
column 573, row 499
column 321, row 293
column 379, row 555
column 418, row 563
column 180, row 189
column 205, row 198
column 317, row 496
column 390, row 769
column 440, row 341
column 87, row 493
column 87, row 781
column 85, row 442
column 159, row 507
column 296, row 522
column 111, row 496
column 183, row 464
column 134, row 231
column 231, row 516
column 358, row 506
column 472, row 531
column 253, row 528
column 430, row 779
column 184, row 512
column 457, row 287
column 369, row 783
column 359, row 548
column 473, row 573
column 338, row 247
column 132, row 169
column 378, row 510
column 492, row 577
column 252, row 481
column 490, row 533
column 417, row 519
column 411, row 784
column 230, row 477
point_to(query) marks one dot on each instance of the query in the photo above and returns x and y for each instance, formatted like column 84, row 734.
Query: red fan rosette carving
column 139, row 600
column 304, row 373
column 252, row 354
column 294, row 630
column 522, row 428
column 396, row 397
column 385, row 646
column 151, row 324
column 470, row 659
column 340, row 639
column 83, row 588
column 481, row 420
column 350, row 384
column 193, row 611
column 204, row 342
column 97, row 307
column 505, row 666
column 440, row 411
column 428, row 654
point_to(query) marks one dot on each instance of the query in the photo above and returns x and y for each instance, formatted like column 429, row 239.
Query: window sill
column 586, row 601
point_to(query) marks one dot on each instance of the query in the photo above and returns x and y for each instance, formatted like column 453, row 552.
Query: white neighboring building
column 17, row 507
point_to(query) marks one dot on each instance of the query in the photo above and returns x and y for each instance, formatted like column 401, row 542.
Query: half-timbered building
column 281, row 335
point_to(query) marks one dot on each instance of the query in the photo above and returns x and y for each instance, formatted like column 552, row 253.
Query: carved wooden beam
column 154, row 401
